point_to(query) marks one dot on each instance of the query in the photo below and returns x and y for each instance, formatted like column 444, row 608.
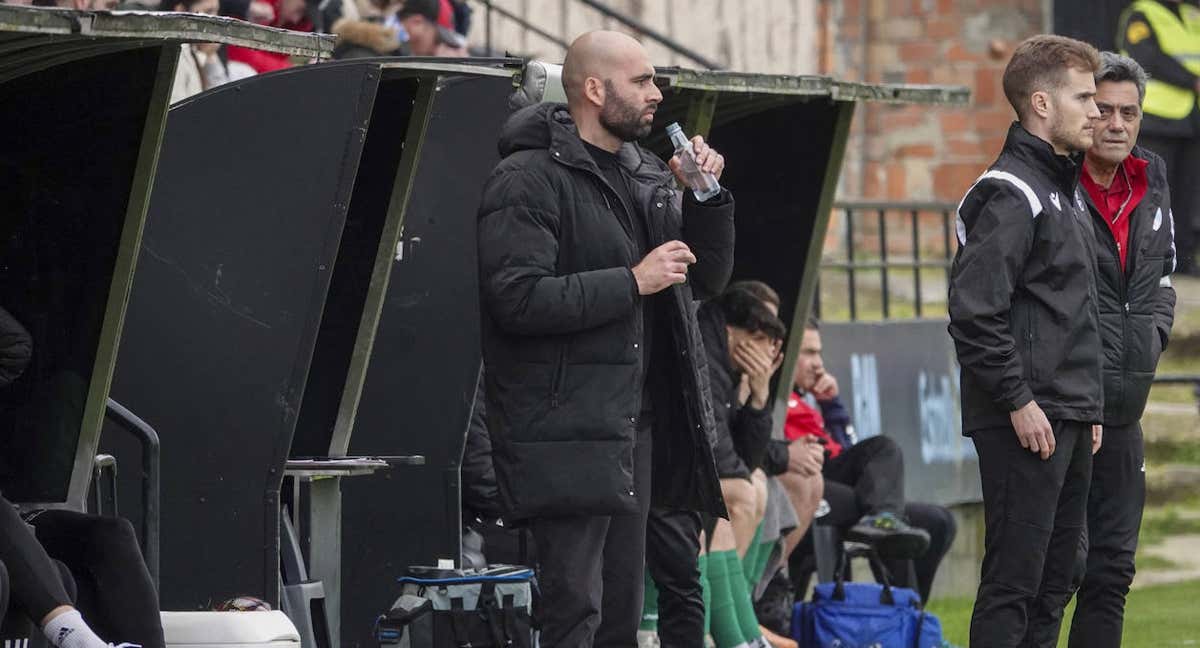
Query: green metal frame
column 122, row 276
column 812, row 260
column 393, row 230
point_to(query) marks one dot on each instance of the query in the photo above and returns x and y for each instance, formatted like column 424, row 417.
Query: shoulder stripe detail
column 1035, row 204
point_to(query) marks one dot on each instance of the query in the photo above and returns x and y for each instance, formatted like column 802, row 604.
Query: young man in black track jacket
column 1125, row 190
column 1023, row 315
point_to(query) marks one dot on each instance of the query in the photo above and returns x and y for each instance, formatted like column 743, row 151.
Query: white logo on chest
column 1054, row 200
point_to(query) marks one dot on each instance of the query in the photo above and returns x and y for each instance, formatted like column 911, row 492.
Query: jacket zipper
column 560, row 371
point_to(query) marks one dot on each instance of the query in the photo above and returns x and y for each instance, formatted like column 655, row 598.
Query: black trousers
column 874, row 468
column 1182, row 157
column 1035, row 512
column 1115, row 505
column 592, row 569
column 116, row 595
column 672, row 548
column 35, row 583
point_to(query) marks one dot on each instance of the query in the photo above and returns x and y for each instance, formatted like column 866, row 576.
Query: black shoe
column 892, row 537
column 774, row 607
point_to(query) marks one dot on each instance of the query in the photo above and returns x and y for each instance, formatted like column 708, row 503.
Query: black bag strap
column 495, row 621
column 917, row 634
column 459, row 626
column 843, row 567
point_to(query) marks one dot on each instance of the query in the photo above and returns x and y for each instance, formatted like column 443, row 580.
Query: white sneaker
column 647, row 639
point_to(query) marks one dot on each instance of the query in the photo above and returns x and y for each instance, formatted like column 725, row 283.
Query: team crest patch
column 1137, row 32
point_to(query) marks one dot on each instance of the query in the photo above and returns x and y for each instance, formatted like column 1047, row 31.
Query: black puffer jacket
column 1023, row 304
column 15, row 348
column 742, row 431
column 562, row 326
column 1137, row 304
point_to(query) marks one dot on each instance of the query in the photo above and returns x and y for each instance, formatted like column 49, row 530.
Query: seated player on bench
column 115, row 590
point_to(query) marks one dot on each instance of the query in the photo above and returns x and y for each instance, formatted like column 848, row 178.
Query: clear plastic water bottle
column 704, row 185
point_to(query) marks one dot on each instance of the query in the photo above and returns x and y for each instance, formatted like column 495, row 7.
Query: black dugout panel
column 420, row 384
column 241, row 245
column 86, row 96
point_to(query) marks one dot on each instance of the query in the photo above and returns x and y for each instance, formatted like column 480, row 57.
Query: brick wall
column 923, row 153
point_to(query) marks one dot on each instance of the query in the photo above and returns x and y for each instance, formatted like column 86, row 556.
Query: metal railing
column 870, row 220
column 148, row 438
column 645, row 30
column 1181, row 379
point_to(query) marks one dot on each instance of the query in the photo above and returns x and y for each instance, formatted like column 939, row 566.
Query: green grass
column 1163, row 616
column 1173, row 450
column 1160, row 523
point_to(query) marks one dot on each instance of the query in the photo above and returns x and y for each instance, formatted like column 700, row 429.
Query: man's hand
column 1097, row 437
column 665, row 266
column 1033, row 429
column 758, row 364
column 707, row 159
column 826, row 388
column 806, row 456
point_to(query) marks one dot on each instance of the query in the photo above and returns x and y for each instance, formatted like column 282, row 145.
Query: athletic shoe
column 892, row 537
column 647, row 639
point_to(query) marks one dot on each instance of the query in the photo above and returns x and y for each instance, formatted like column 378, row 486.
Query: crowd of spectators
column 364, row 28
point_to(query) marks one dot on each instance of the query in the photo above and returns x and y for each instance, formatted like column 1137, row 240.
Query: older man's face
column 1119, row 123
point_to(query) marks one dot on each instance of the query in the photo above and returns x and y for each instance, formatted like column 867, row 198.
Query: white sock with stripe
column 70, row 631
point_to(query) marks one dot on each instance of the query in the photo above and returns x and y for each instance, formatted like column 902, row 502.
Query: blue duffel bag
column 864, row 615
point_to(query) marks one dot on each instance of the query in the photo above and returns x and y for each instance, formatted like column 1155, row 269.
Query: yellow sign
column 1137, row 32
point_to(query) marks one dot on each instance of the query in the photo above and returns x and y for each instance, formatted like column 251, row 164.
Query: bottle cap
column 673, row 128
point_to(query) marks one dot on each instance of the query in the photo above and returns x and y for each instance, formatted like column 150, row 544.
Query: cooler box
column 229, row 630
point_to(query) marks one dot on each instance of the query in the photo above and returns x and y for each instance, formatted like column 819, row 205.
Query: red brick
column 897, row 186
column 945, row 7
column 918, row 51
column 918, row 75
column 960, row 54
column 942, row 27
column 950, row 181
column 907, row 117
column 964, row 147
column 852, row 8
column 988, row 88
column 992, row 121
column 916, row 151
column 955, row 121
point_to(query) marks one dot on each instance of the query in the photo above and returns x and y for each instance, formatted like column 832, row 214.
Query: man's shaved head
column 609, row 84
column 597, row 54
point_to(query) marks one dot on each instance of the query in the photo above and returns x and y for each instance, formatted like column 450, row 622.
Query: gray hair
column 1115, row 67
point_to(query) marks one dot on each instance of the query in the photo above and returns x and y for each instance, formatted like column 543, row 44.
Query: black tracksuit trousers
column 1035, row 511
column 591, row 571
column 1105, row 564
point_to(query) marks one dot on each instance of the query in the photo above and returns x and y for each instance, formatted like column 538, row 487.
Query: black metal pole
column 916, row 243
column 129, row 422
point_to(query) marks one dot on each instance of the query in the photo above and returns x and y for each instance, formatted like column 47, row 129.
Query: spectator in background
column 201, row 65
column 364, row 28
column 430, row 28
column 78, row 5
column 1164, row 37
column 255, row 11
column 289, row 14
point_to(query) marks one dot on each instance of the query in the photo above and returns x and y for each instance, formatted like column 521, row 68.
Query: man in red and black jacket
column 1127, row 195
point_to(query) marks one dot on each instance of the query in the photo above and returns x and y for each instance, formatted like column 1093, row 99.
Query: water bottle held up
column 704, row 185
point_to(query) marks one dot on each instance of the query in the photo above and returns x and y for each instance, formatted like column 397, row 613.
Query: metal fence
column 888, row 240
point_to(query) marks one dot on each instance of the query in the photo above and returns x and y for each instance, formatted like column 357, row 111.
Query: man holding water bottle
column 591, row 258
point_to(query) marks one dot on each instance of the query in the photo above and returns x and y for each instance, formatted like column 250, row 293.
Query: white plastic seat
column 229, row 630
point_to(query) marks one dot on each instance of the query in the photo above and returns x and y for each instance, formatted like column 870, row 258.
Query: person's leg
column 672, row 559
column 1115, row 505
column 624, row 558
column 1070, row 519
column 939, row 522
column 741, row 500
column 728, row 631
column 875, row 469
column 570, row 563
column 35, row 585
column 116, row 592
column 805, row 494
column 1021, row 500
